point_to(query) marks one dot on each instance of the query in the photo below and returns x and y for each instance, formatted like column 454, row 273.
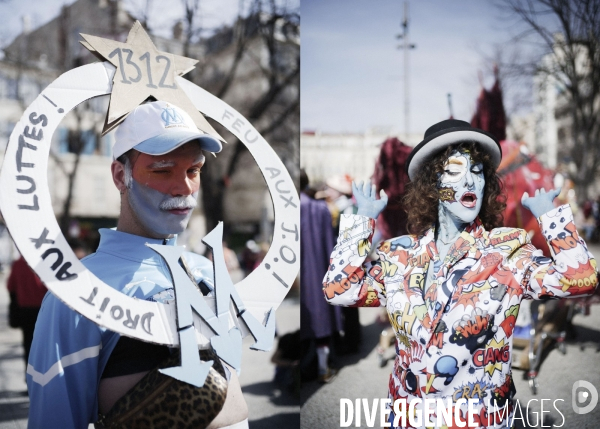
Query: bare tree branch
column 260, row 51
column 570, row 32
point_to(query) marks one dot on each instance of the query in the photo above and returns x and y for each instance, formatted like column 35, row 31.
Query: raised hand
column 366, row 199
column 541, row 202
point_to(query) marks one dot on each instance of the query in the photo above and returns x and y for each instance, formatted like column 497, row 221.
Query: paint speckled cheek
column 447, row 194
column 145, row 203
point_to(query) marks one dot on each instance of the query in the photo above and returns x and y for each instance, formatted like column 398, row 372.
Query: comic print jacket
column 456, row 340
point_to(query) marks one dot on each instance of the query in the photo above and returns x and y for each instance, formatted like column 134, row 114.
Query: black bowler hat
column 446, row 133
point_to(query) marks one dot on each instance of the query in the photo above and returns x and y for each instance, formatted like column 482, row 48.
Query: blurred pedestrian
column 390, row 175
column 286, row 359
column 78, row 247
column 232, row 263
column 338, row 195
column 589, row 222
column 318, row 321
column 250, row 256
column 26, row 292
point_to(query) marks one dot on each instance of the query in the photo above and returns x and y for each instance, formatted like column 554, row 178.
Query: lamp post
column 406, row 46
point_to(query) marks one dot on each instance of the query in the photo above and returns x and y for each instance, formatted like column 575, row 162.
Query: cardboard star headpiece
column 142, row 72
column 134, row 71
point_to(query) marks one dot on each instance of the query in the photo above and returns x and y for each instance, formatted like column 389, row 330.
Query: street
column 361, row 377
column 269, row 407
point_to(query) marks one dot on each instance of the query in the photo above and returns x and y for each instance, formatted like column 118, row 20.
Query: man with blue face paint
column 453, row 286
column 80, row 373
column 156, row 170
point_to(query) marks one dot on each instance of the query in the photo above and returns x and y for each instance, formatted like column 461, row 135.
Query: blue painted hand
column 366, row 199
column 541, row 202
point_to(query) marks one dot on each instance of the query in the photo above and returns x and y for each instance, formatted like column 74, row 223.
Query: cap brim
column 169, row 141
column 448, row 137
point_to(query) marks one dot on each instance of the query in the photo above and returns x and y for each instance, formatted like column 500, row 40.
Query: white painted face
column 461, row 187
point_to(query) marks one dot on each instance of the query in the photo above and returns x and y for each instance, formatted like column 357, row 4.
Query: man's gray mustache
column 178, row 203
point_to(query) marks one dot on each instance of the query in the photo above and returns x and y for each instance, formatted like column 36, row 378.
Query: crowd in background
column 587, row 219
column 327, row 332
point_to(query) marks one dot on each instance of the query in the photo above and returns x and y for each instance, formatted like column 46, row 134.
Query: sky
column 352, row 76
column 353, row 73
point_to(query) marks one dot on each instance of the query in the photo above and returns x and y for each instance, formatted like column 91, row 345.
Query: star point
column 143, row 72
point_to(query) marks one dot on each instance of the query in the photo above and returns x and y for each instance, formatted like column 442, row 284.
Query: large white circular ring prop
column 27, row 210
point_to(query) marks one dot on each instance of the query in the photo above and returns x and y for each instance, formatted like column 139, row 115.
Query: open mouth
column 468, row 200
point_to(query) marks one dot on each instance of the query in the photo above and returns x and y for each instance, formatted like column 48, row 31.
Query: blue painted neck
column 450, row 227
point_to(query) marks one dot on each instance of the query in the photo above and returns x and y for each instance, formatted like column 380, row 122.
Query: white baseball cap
column 158, row 127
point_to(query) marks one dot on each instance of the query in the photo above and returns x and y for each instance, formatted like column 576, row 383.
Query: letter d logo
column 582, row 390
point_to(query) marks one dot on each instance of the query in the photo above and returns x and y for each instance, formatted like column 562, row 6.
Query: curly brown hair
column 422, row 197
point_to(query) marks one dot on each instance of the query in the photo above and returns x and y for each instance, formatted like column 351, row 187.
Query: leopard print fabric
column 159, row 401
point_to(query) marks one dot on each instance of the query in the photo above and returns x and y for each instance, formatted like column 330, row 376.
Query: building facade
column 36, row 57
column 324, row 155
